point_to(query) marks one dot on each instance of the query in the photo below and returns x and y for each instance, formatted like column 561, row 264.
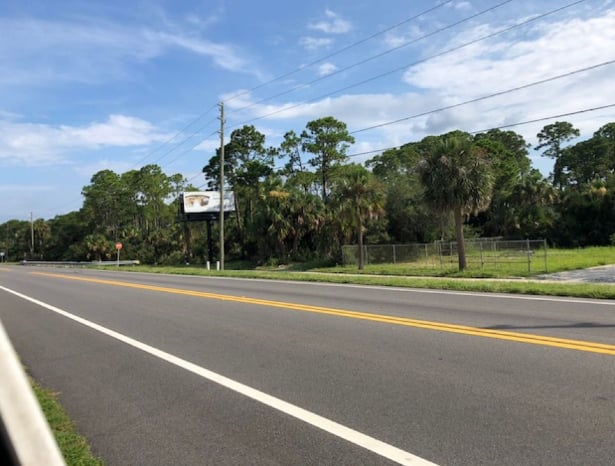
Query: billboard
column 199, row 202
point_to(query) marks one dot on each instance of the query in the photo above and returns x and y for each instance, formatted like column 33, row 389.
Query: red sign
column 118, row 246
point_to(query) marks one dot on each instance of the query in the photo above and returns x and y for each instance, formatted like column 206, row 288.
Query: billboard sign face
column 198, row 202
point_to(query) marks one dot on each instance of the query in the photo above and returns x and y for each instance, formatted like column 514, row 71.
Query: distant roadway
column 161, row 370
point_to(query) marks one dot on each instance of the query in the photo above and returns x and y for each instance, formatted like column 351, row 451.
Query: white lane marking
column 364, row 441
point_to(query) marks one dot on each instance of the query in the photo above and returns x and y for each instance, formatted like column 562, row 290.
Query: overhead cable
column 403, row 67
column 510, row 125
column 373, row 57
column 338, row 51
column 485, row 97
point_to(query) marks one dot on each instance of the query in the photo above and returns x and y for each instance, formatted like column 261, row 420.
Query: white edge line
column 362, row 440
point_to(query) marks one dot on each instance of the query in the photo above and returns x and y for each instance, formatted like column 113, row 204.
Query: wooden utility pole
column 221, row 185
column 31, row 237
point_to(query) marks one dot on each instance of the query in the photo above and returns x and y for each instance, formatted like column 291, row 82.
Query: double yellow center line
column 578, row 345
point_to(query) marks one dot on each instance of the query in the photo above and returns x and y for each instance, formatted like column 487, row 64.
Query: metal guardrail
column 79, row 263
column 26, row 436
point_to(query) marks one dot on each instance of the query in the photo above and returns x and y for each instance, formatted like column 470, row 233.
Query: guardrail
column 79, row 263
column 24, row 432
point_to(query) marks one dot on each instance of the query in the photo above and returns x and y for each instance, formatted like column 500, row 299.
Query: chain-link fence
column 482, row 253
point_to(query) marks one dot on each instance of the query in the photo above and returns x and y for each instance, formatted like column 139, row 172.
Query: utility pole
column 221, row 185
column 31, row 237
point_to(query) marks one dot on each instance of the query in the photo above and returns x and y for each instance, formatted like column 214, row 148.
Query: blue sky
column 87, row 85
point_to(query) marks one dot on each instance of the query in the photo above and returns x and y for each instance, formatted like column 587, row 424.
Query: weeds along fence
column 522, row 256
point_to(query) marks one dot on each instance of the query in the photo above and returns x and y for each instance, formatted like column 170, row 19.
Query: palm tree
column 360, row 197
column 269, row 226
column 456, row 176
column 531, row 205
column 97, row 246
column 42, row 233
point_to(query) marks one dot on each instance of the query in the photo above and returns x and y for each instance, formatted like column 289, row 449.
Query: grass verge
column 505, row 278
column 512, row 285
column 74, row 447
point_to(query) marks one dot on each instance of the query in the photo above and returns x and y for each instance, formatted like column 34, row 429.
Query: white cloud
column 357, row 110
column 223, row 55
column 209, row 145
column 334, row 24
column 203, row 22
column 398, row 39
column 89, row 169
column 118, row 130
column 463, row 5
column 44, row 51
column 326, row 68
column 556, row 48
column 547, row 50
column 40, row 144
column 5, row 115
column 237, row 99
column 479, row 70
column 315, row 43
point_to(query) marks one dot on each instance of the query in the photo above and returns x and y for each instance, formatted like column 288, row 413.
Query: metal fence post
column 482, row 262
column 488, row 254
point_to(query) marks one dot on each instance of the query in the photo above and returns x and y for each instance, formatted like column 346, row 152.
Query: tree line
column 302, row 200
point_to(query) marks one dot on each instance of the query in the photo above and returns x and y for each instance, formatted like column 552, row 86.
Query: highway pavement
column 161, row 370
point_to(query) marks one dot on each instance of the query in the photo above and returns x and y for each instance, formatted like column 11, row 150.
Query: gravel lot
column 602, row 274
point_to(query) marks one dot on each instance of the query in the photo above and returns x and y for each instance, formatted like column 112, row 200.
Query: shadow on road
column 573, row 325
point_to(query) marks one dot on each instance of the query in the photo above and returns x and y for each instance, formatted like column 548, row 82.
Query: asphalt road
column 316, row 374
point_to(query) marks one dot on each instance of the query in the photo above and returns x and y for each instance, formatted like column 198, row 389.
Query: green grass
column 505, row 278
column 494, row 266
column 513, row 285
column 74, row 447
column 572, row 259
column 558, row 260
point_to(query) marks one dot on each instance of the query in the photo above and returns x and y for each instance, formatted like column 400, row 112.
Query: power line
column 477, row 99
column 403, row 67
column 170, row 150
column 373, row 57
column 194, row 178
column 485, row 97
column 190, row 136
column 339, row 51
column 472, row 100
column 296, row 70
column 538, row 120
column 510, row 125
column 285, row 75
column 152, row 152
column 525, row 22
column 314, row 62
column 187, row 150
